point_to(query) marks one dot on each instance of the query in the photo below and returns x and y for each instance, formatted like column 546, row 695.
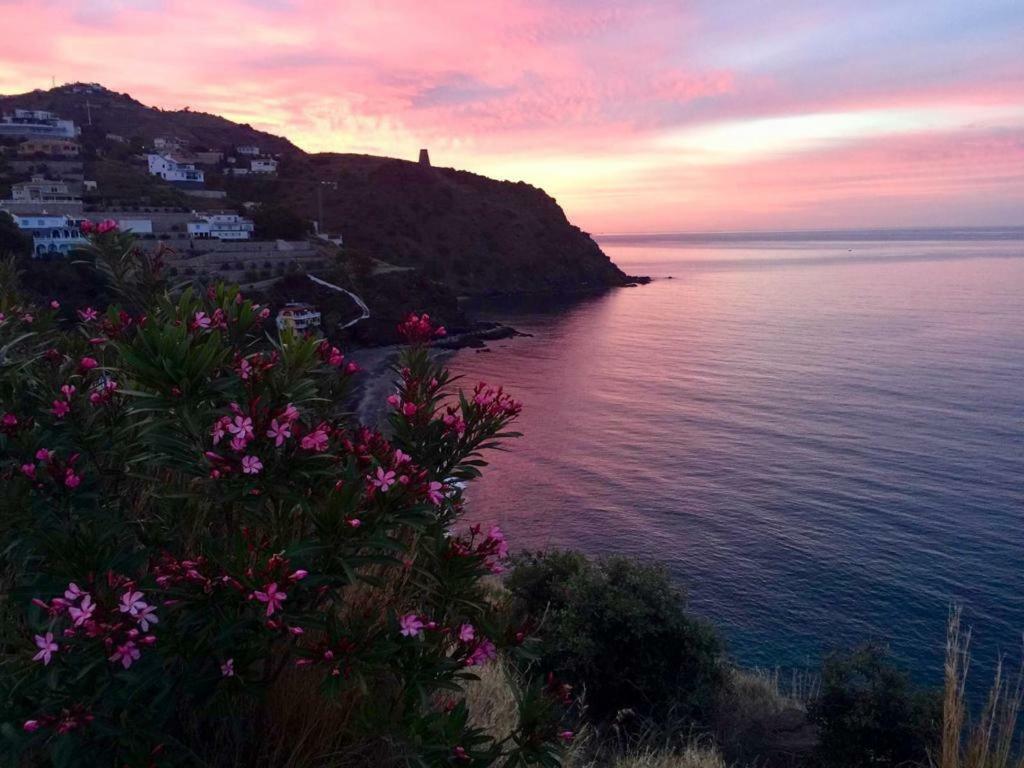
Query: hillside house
column 49, row 148
column 249, row 150
column 221, row 226
column 52, row 235
column 263, row 165
column 43, row 190
column 299, row 318
column 168, row 144
column 174, row 168
column 32, row 123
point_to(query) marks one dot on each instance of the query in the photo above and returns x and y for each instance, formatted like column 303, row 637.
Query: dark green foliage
column 275, row 222
column 618, row 630
column 869, row 713
column 12, row 240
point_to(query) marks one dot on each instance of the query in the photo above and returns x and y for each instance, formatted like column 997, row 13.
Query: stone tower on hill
column 424, row 157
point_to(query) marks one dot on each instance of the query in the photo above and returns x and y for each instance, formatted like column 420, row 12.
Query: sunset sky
column 638, row 116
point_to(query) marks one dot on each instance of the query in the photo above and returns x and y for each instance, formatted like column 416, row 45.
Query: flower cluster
column 99, row 228
column 418, row 329
column 495, row 403
column 47, row 464
column 491, row 549
column 123, row 627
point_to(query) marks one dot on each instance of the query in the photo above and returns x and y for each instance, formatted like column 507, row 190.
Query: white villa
column 43, row 190
column 248, row 149
column 264, row 165
column 298, row 317
column 221, row 226
column 51, row 235
column 32, row 123
column 174, row 168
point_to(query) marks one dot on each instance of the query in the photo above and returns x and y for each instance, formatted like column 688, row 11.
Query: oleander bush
column 204, row 561
column 617, row 629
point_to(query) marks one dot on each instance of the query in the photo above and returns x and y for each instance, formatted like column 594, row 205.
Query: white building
column 264, row 165
column 175, row 169
column 51, row 235
column 43, row 190
column 221, row 226
column 298, row 317
column 168, row 144
column 29, row 123
column 250, row 150
column 136, row 226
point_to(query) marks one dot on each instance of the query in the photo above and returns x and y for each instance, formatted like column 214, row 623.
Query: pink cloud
column 555, row 84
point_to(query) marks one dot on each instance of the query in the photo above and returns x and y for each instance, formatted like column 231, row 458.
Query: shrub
column 869, row 713
column 618, row 629
column 205, row 561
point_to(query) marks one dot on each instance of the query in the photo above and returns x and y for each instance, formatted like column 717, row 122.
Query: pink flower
column 401, row 457
column 83, row 612
column 279, row 431
column 290, row 413
column 240, row 426
column 218, row 430
column 61, row 409
column 245, row 370
column 251, row 465
column 384, row 479
column 264, row 313
column 127, row 654
column 46, row 648
column 497, row 537
column 43, row 454
column 29, row 470
column 87, row 363
column 227, row 669
column 435, row 492
column 315, row 441
column 88, row 314
column 132, row 603
column 9, row 420
column 467, row 633
column 71, row 480
column 409, row 409
column 483, row 653
column 73, row 592
column 54, row 304
column 566, row 735
column 299, row 575
column 67, row 390
column 107, row 225
column 201, row 321
column 31, row 726
column 355, row 522
column 147, row 616
column 272, row 596
column 411, row 625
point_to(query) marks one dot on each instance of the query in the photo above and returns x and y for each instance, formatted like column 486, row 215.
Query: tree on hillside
column 12, row 239
column 275, row 222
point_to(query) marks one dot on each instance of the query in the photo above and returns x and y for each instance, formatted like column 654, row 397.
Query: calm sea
column 822, row 438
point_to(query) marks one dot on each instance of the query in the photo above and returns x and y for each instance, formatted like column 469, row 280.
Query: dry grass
column 693, row 755
column 991, row 742
column 491, row 701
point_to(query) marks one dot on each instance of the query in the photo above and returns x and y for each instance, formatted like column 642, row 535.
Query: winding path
column 359, row 302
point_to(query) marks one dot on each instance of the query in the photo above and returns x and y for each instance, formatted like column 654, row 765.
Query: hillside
column 476, row 235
